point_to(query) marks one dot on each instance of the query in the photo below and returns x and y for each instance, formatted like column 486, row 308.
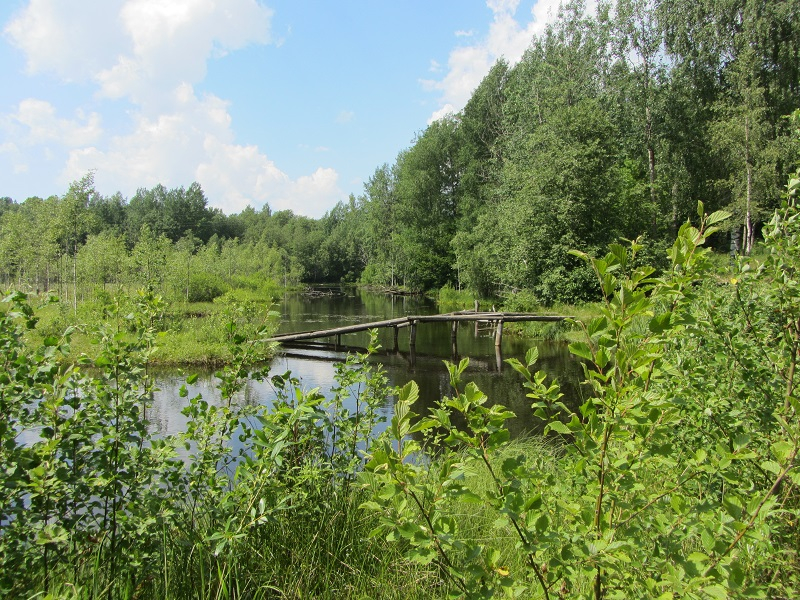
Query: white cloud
column 312, row 194
column 171, row 42
column 509, row 36
column 237, row 176
column 12, row 151
column 36, row 122
column 462, row 33
column 134, row 48
column 447, row 109
column 196, row 143
column 70, row 38
column 500, row 6
column 151, row 53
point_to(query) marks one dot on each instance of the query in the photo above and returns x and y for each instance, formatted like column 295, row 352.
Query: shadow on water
column 434, row 345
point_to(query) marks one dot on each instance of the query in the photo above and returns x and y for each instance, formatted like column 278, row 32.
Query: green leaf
column 660, row 323
column 422, row 555
column 597, row 325
column 582, row 350
column 716, row 591
column 542, row 523
column 558, row 427
column 717, row 216
column 771, row 466
column 519, row 367
column 736, row 576
column 708, row 540
column 579, row 254
column 531, row 356
column 102, row 361
column 782, row 450
column 740, row 441
column 409, row 393
column 697, row 557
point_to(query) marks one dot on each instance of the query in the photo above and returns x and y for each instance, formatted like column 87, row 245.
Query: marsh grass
column 450, row 299
column 554, row 331
column 193, row 333
column 325, row 552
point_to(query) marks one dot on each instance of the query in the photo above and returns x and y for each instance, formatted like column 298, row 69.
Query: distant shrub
column 204, row 287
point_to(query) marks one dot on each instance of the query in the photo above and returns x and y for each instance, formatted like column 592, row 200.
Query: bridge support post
column 396, row 347
column 498, row 335
column 413, row 337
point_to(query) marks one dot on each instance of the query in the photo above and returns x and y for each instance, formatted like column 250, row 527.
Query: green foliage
column 451, row 299
column 205, row 287
column 92, row 502
column 675, row 478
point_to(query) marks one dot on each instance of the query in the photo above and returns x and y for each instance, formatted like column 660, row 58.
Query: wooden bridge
column 495, row 319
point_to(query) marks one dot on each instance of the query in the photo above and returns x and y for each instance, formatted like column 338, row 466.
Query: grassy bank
column 451, row 300
column 191, row 333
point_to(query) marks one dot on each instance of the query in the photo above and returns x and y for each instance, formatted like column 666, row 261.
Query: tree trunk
column 651, row 155
column 75, row 279
column 748, row 224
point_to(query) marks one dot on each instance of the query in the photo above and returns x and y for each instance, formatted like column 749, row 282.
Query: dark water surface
column 348, row 306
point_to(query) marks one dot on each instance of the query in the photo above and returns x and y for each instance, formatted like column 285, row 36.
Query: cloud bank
column 149, row 54
column 508, row 37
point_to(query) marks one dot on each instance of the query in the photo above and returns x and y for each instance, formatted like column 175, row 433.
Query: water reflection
column 434, row 345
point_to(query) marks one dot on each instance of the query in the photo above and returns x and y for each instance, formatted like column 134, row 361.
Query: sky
column 290, row 103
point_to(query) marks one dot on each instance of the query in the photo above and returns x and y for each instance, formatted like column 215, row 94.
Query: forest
column 619, row 162
column 611, row 127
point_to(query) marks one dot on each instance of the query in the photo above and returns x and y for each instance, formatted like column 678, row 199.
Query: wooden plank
column 515, row 317
column 310, row 335
column 413, row 320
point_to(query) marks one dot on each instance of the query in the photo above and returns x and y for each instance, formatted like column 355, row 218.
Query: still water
column 337, row 307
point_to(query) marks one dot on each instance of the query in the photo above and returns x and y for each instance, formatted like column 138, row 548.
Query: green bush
column 676, row 478
column 205, row 287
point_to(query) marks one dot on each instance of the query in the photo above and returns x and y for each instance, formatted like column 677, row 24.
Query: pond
column 333, row 307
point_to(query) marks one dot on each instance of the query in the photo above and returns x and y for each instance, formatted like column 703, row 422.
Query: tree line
column 611, row 126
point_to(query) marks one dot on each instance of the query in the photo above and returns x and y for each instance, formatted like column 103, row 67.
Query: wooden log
column 486, row 317
column 498, row 336
column 412, row 321
column 308, row 335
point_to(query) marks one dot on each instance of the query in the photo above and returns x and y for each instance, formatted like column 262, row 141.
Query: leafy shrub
column 678, row 477
column 205, row 287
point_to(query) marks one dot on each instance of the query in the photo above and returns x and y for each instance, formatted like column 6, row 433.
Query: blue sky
column 293, row 103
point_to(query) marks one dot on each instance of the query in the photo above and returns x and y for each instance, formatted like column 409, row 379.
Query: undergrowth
column 677, row 477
